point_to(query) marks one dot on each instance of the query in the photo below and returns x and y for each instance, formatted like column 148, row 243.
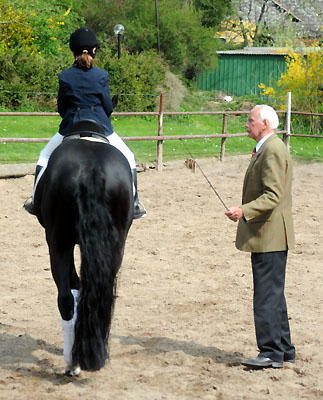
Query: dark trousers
column 270, row 310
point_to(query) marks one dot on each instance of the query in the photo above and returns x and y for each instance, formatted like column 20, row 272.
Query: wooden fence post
column 224, row 131
column 160, row 133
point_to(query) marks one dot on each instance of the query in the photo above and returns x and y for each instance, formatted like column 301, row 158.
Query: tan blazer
column 267, row 201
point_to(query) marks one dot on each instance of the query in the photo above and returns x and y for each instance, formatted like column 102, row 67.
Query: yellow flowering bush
column 267, row 90
column 33, row 48
column 304, row 79
column 39, row 32
column 14, row 27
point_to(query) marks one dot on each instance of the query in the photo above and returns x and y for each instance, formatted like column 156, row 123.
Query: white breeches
column 55, row 141
column 114, row 139
column 117, row 142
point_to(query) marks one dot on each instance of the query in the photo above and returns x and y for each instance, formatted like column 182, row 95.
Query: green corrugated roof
column 272, row 51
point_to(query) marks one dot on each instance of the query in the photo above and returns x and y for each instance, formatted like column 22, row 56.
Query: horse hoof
column 72, row 371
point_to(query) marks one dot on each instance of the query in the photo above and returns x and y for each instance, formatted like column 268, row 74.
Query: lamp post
column 119, row 30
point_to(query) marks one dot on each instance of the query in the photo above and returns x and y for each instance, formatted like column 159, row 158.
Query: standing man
column 266, row 230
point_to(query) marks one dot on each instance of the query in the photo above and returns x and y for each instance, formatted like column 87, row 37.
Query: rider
column 84, row 94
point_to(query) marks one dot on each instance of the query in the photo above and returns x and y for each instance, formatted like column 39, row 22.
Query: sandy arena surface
column 183, row 319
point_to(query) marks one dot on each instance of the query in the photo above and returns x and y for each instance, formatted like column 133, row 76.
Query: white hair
column 267, row 112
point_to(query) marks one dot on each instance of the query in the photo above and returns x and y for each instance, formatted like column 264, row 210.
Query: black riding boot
column 137, row 211
column 29, row 206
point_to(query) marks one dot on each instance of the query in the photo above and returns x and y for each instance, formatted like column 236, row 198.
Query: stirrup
column 29, row 206
column 139, row 213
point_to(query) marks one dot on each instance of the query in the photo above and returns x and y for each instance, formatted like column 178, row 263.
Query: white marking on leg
column 68, row 332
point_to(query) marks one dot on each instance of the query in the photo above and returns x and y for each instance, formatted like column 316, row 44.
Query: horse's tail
column 98, row 239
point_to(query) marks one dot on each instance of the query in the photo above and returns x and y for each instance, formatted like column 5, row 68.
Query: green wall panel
column 240, row 74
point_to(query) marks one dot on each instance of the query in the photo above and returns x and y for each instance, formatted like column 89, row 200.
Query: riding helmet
column 83, row 39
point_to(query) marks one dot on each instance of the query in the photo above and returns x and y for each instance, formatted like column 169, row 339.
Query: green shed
column 239, row 72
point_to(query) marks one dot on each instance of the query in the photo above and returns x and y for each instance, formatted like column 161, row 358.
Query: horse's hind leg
column 68, row 332
column 67, row 282
column 62, row 266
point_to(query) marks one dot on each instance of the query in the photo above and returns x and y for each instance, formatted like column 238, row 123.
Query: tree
column 100, row 15
column 259, row 23
column 213, row 11
column 186, row 45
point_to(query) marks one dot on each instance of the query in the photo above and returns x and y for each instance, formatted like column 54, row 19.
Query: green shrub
column 136, row 78
column 30, row 81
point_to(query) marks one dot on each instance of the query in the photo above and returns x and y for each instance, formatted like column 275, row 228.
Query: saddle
column 87, row 129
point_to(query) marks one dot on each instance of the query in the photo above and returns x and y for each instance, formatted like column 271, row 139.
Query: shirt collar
column 262, row 141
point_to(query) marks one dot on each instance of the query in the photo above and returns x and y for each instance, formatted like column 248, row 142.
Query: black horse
column 85, row 197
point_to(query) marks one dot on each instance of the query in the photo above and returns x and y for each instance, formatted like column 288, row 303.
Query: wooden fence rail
column 160, row 138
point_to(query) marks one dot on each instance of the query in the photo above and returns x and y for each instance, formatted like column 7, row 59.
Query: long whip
column 208, row 181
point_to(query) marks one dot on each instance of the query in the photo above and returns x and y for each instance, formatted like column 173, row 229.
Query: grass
column 306, row 149
column 25, row 127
